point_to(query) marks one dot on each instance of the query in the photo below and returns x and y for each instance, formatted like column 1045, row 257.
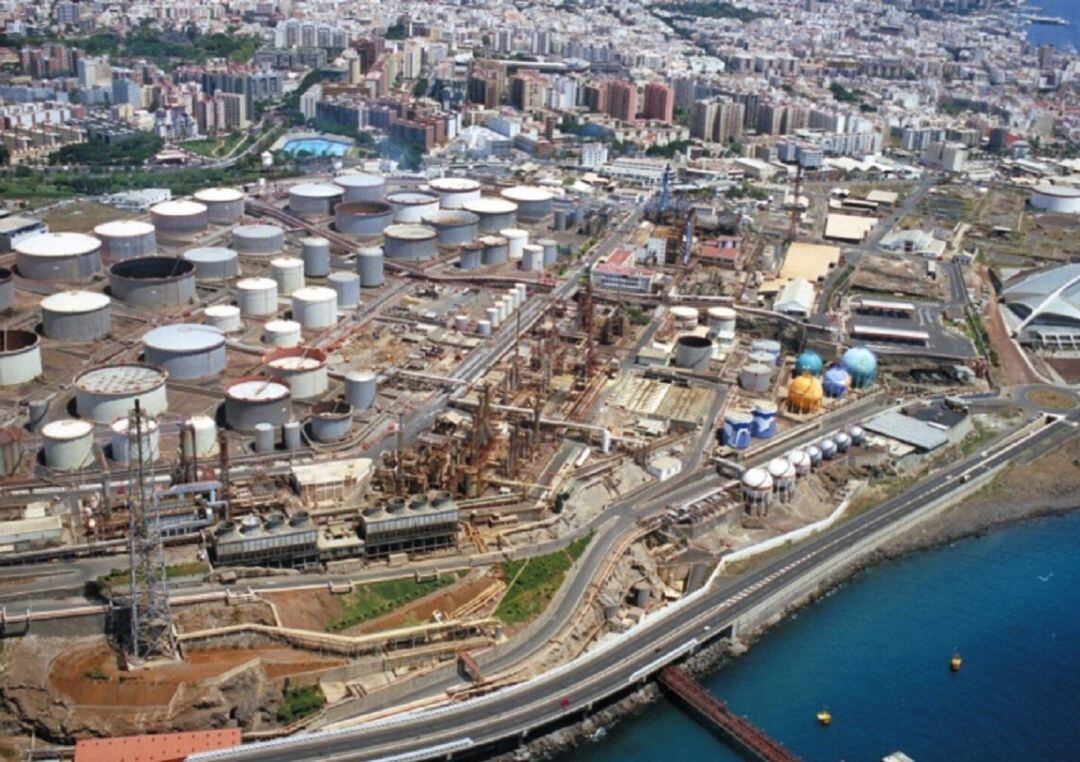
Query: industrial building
column 1042, row 307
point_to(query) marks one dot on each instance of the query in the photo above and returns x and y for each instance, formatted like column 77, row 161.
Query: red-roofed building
column 163, row 747
column 723, row 252
column 618, row 271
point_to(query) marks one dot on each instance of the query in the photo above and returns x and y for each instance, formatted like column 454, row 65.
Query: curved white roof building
column 1044, row 306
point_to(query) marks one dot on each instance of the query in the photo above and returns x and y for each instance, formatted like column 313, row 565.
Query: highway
column 474, row 726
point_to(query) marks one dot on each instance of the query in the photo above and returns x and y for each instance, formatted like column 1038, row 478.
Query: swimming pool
column 316, row 147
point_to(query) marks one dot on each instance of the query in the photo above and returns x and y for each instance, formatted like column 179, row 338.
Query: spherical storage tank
column 800, row 461
column 861, row 363
column 453, row 227
column 315, row 251
column 214, row 264
column 331, row 420
column 808, row 362
column 783, row 474
column 412, row 206
column 496, row 250
column 315, row 307
column 314, row 199
column 258, row 239
column 737, row 430
column 252, row 400
column 805, row 394
column 282, row 333
column 764, row 420
column 76, row 316
column 533, row 203
column 455, row 192
column 223, row 205
column 369, row 266
column 109, row 392
column 125, row 440
column 126, row 239
column 757, row 485
column 814, row 453
column 288, row 273
column 302, row 368
column 410, row 242
column 495, row 213
column 179, row 218
column 186, row 350
column 7, row 289
column 361, row 187
column 836, row 382
column 843, row 442
column 693, row 352
column 68, row 444
column 224, row 317
column 857, row 434
column 1060, row 199
column 61, row 257
column 257, row 297
column 361, row 388
column 153, row 281
column 347, row 287
column 365, row 219
column 20, row 357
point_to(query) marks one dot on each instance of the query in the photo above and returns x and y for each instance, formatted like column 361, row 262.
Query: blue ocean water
column 316, row 147
column 1058, row 36
column 875, row 653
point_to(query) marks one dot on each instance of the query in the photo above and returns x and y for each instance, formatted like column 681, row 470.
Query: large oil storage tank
column 315, row 307
column 361, row 388
column 330, row 420
column 347, row 287
column 187, row 351
column 686, row 318
column 737, row 430
column 315, row 251
column 166, row 282
column 364, row 219
column 861, row 364
column 282, row 333
column 496, row 250
column 224, row 317
column 179, row 218
column 516, row 238
column 258, row 240
column 533, row 203
column 214, row 264
column 756, row 377
column 257, row 297
column 302, row 368
column 369, row 266
column 126, row 440
column 68, row 444
column 808, row 362
column 252, row 400
column 495, row 213
column 126, row 239
column 224, row 206
column 471, row 255
column 764, row 420
column 454, row 227
column 288, row 273
column 76, row 316
column 770, row 346
column 412, row 206
column 805, row 394
column 693, row 352
column 314, row 199
column 720, row 319
column 410, row 242
column 106, row 393
column 455, row 192
column 20, row 357
column 836, row 382
column 361, row 187
column 1060, row 199
column 60, row 257
column 7, row 289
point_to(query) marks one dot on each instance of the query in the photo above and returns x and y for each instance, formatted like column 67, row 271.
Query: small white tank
column 516, row 238
column 257, row 297
column 201, row 440
column 68, row 444
column 125, row 441
column 288, row 273
column 225, row 317
column 282, row 333
column 315, row 307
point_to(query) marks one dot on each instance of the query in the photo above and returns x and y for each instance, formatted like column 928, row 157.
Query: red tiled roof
column 163, row 747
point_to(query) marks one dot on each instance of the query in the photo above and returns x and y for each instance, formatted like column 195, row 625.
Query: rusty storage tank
column 20, row 357
column 125, row 440
column 455, row 192
column 302, row 368
column 364, row 219
column 58, row 257
column 166, row 282
column 188, row 351
column 314, row 199
column 126, row 239
column 369, row 266
column 411, row 243
column 104, row 394
column 214, row 264
column 361, row 187
column 258, row 240
column 224, row 206
column 330, row 421
column 411, row 206
column 178, row 218
column 495, row 213
column 252, row 400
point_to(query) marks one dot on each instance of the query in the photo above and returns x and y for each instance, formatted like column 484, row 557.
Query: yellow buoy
column 955, row 662
column 824, row 718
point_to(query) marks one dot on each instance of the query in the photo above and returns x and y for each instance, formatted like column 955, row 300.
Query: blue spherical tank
column 808, row 362
column 836, row 382
column 737, row 428
column 862, row 365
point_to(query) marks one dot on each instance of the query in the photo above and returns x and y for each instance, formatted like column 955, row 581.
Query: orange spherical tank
column 805, row 394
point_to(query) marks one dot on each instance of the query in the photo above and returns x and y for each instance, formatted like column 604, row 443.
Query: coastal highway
column 475, row 726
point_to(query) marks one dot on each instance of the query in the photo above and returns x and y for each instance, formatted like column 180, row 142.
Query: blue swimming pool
column 316, row 147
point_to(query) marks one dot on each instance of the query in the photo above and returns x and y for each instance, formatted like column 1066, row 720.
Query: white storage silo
column 347, row 287
column 369, row 266
column 455, row 192
column 125, row 440
column 282, row 333
column 288, row 273
column 516, row 238
column 257, row 297
column 200, row 439
column 178, row 218
column 223, row 205
column 126, row 239
column 214, row 264
column 315, row 251
column 361, row 388
column 68, row 444
column 315, row 307
column 20, row 357
column 224, row 317
column 76, row 316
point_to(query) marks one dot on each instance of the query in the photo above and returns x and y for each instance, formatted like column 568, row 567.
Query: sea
column 1062, row 37
column 875, row 653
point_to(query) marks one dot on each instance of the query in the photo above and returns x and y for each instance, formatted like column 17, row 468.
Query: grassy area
column 1049, row 398
column 300, row 702
column 123, row 576
column 533, row 581
column 380, row 598
column 217, row 148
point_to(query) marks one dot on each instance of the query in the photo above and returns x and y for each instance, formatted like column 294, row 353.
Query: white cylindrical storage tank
column 264, row 437
column 493, row 319
column 126, row 239
column 364, row 219
column 686, row 318
column 68, row 444
column 315, row 251
column 314, row 199
column 721, row 320
column 1059, row 199
column 201, row 440
column 361, row 187
column 124, row 440
column 253, row 399
column 347, row 287
column 302, row 368
column 187, row 351
column 495, row 213
column 516, row 238
column 315, row 307
column 258, row 240
column 470, row 256
column 523, row 293
column 369, row 266
column 153, row 282
column 288, row 273
column 76, row 316
column 361, row 388
column 214, row 264
column 532, row 257
column 290, row 435
column 483, row 327
column 693, row 352
column 410, row 242
column 756, row 377
column 496, row 250
column 109, row 392
column 257, row 297
column 178, row 218
column 224, row 206
column 461, row 323
column 455, row 192
column 7, row 289
column 533, row 203
column 20, row 357
column 453, row 227
column 282, row 333
column 551, row 251
column 411, row 206
column 224, row 317
column 59, row 257
column 515, row 297
column 506, row 308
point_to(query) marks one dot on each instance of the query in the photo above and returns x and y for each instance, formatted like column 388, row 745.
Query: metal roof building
column 911, row 431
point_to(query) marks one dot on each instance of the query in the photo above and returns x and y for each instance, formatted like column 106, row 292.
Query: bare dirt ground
column 1067, row 367
column 895, row 276
column 1014, row 370
column 205, row 616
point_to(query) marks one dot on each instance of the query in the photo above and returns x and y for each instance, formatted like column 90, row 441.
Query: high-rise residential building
column 717, row 121
column 528, row 91
column 412, row 60
column 127, row 92
column 232, row 111
column 659, row 102
column 595, row 97
column 622, row 100
column 684, row 92
column 93, row 71
column 703, row 120
column 593, row 154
